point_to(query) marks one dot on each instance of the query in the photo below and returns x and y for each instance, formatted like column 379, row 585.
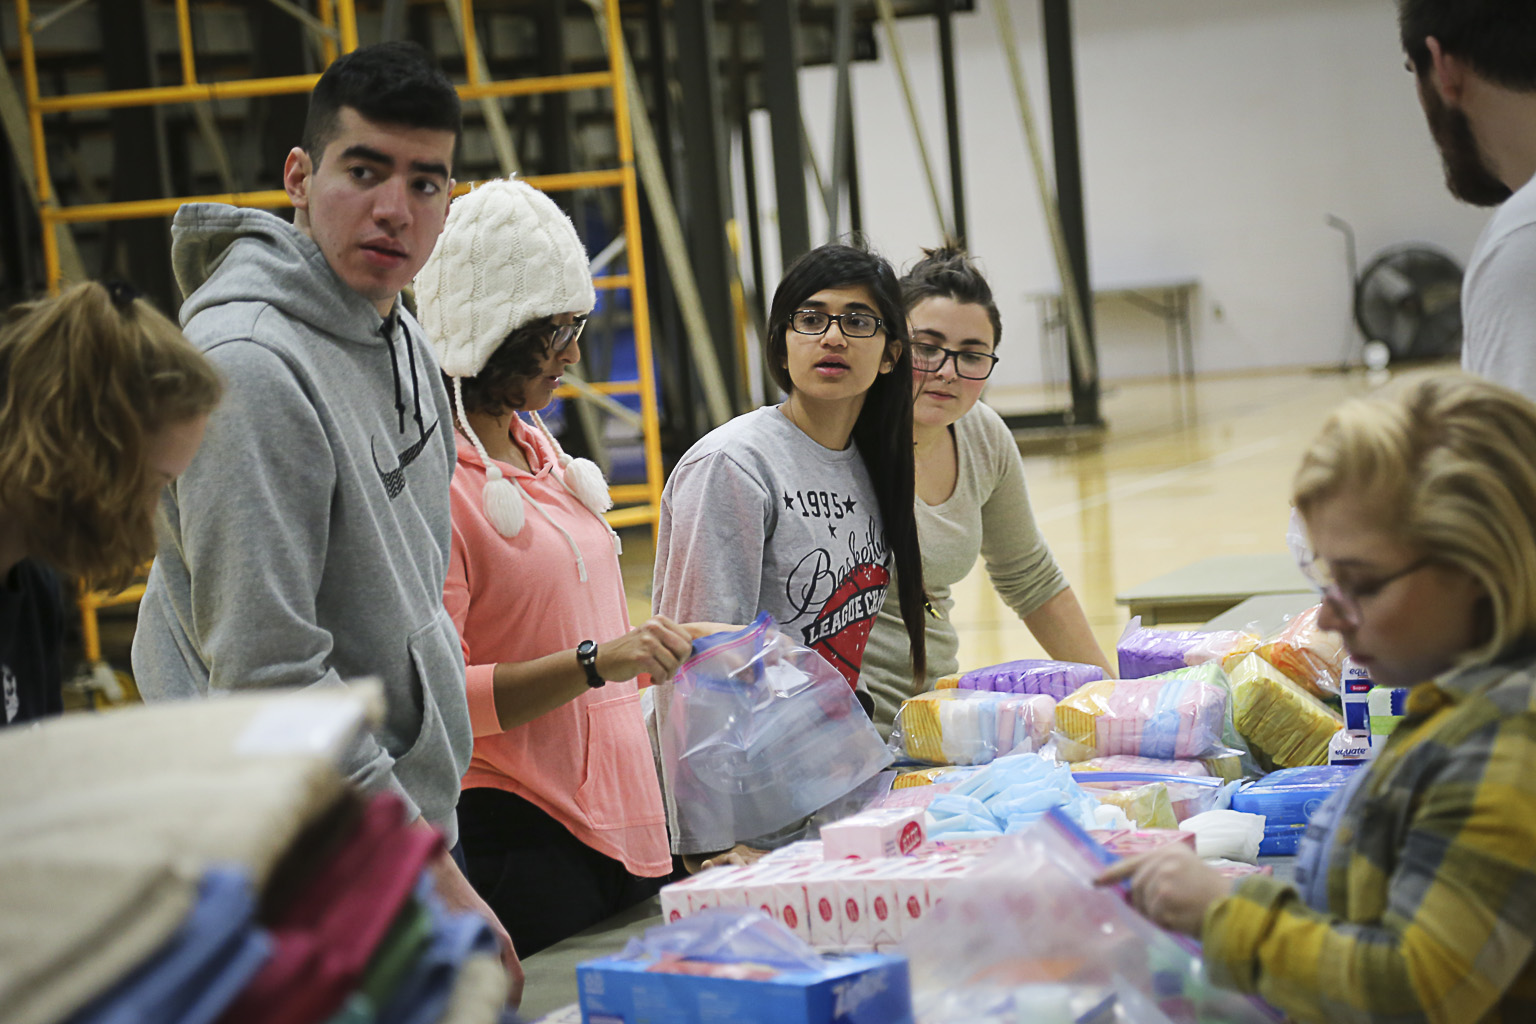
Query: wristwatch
column 586, row 657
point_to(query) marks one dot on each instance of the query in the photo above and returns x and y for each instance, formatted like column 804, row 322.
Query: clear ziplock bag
column 760, row 733
column 1027, row 932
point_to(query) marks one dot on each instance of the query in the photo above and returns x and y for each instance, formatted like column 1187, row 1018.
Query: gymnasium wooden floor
column 1183, row 471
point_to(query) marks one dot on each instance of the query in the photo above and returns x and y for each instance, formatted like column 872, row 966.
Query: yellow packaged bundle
column 948, row 682
column 919, row 720
column 1281, row 722
column 921, row 777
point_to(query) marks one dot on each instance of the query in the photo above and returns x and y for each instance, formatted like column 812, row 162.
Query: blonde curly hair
column 86, row 379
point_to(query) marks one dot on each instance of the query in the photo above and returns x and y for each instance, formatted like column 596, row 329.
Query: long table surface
column 551, row 973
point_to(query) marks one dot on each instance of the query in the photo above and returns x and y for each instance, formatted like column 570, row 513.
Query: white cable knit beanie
column 507, row 257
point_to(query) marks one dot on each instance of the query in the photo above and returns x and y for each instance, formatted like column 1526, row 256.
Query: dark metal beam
column 781, row 92
column 136, row 249
column 1056, row 16
column 951, row 117
column 705, row 199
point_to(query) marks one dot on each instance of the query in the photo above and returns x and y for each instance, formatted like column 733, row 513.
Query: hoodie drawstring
column 387, row 331
column 394, row 369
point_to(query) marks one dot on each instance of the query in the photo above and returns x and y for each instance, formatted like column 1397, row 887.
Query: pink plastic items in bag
column 1028, row 936
column 1148, row 652
column 1144, row 765
column 1175, row 715
column 1052, row 678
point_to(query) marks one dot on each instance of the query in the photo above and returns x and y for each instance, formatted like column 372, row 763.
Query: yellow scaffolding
column 638, row 503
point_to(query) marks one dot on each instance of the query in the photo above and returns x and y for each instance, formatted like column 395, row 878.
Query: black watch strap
column 586, row 657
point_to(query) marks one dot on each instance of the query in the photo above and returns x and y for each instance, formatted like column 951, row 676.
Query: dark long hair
column 883, row 431
column 947, row 272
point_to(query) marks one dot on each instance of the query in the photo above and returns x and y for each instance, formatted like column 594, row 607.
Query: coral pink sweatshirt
column 588, row 762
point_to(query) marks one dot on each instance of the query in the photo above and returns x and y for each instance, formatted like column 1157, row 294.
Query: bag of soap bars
column 963, row 727
column 761, row 732
column 1055, row 679
column 1149, row 652
column 1285, row 726
column 1176, row 715
column 1026, row 935
column 1309, row 655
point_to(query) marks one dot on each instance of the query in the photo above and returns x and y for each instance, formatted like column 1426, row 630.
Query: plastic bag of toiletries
column 1027, row 932
column 1143, row 765
column 1309, row 655
column 965, row 727
column 1186, row 796
column 760, row 733
column 1176, row 715
column 1149, row 652
column 1055, row 679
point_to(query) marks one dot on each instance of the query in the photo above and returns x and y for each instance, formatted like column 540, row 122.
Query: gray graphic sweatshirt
column 307, row 544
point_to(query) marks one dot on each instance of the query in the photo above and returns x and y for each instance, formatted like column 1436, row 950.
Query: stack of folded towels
column 206, row 861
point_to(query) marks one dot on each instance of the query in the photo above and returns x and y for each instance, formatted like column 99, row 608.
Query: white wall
column 1216, row 136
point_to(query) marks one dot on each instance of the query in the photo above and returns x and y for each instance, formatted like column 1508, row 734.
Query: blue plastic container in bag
column 1288, row 798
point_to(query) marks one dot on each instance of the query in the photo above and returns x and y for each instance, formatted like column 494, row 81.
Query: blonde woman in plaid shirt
column 1419, row 901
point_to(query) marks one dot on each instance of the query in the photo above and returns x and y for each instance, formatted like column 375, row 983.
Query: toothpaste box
column 759, row 887
column 853, row 911
column 1355, row 686
column 1348, row 747
column 882, row 832
column 790, row 906
column 869, row 988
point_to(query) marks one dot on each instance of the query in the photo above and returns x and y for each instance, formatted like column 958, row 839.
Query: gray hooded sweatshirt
column 307, row 544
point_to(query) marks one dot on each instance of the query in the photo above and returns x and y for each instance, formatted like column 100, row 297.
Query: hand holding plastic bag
column 760, row 733
column 1028, row 928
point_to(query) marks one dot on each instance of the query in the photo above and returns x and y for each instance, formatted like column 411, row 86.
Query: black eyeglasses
column 853, row 325
column 1346, row 597
column 970, row 365
column 562, row 335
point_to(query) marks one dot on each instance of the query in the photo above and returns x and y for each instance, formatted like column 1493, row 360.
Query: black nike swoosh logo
column 394, row 479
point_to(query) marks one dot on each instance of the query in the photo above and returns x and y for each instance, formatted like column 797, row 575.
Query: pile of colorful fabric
column 206, row 862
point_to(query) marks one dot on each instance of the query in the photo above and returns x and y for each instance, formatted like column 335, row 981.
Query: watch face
column 586, row 650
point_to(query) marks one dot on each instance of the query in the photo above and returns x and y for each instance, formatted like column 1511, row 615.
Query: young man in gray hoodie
column 308, row 542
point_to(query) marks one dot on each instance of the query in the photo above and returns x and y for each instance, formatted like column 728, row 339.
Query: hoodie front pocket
column 618, row 787
column 431, row 656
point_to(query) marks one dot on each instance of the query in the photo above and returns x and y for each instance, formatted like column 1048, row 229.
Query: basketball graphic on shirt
column 841, row 629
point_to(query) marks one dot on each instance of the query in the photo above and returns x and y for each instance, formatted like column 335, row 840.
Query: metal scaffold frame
column 638, row 503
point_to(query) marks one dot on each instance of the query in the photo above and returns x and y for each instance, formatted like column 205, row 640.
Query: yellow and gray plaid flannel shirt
column 1431, row 882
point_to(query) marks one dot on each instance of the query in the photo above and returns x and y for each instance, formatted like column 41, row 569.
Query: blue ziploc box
column 1291, row 796
column 863, row 988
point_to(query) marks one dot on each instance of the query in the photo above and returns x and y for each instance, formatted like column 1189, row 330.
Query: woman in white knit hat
column 561, row 816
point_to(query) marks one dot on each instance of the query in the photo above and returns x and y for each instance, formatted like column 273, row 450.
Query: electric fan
column 1407, row 299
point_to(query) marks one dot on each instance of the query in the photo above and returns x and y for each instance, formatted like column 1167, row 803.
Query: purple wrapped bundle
column 1056, row 679
column 1149, row 652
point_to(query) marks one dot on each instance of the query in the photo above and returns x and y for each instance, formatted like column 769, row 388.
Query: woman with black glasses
column 971, row 499
column 804, row 510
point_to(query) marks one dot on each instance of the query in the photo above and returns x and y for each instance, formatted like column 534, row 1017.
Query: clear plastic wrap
column 1056, row 679
column 1148, row 652
column 1187, row 796
column 1143, row 765
column 761, row 733
column 1285, row 726
column 1028, row 933
column 1007, row 795
column 967, row 727
column 725, row 935
column 1175, row 715
column 1309, row 655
